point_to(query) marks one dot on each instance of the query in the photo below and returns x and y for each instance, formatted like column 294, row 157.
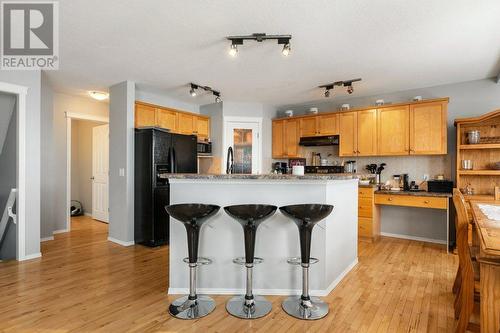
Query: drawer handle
column 389, row 199
column 426, row 201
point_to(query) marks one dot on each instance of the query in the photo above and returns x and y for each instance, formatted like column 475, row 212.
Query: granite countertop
column 335, row 176
column 415, row 193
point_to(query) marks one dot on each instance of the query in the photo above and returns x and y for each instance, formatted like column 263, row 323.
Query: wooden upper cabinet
column 367, row 133
column 185, row 123
column 166, row 119
column 308, row 126
column 428, row 128
column 202, row 127
column 278, row 135
column 328, row 124
column 291, row 138
column 393, row 130
column 144, row 115
column 348, row 130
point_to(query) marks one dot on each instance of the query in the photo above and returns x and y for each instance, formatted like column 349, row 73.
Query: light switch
column 121, row 172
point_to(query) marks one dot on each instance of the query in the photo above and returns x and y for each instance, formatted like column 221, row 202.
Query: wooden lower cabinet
column 368, row 215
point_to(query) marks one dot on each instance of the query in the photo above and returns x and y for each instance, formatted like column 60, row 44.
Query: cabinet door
column 144, row 115
column 308, row 126
column 328, row 124
column 278, row 135
column 202, row 127
column 348, row 131
column 185, row 123
column 166, row 119
column 393, row 130
column 291, row 138
column 428, row 128
column 367, row 133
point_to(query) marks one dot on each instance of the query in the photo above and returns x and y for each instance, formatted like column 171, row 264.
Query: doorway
column 88, row 168
column 243, row 135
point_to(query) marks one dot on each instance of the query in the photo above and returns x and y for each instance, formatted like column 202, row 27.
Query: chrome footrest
column 201, row 261
column 242, row 260
column 298, row 261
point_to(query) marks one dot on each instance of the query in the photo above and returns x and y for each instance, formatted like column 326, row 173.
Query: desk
column 420, row 200
column 487, row 235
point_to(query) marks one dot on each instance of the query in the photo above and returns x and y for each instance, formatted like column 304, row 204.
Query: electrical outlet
column 121, row 172
column 425, row 177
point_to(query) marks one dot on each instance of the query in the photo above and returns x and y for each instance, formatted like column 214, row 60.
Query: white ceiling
column 392, row 44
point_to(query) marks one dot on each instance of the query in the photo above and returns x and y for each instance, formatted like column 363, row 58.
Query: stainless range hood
column 309, row 141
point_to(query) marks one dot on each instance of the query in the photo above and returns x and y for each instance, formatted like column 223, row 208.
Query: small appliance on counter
column 204, row 148
column 280, row 168
column 350, row 167
column 324, row 169
column 440, row 186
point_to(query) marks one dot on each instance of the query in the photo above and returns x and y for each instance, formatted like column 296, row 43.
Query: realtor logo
column 30, row 35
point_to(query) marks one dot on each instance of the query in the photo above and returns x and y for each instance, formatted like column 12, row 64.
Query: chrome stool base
column 240, row 307
column 313, row 309
column 184, row 308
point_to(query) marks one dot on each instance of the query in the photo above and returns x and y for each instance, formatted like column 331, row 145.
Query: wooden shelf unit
column 483, row 178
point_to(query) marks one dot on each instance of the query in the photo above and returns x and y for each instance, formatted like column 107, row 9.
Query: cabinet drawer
column 365, row 227
column 365, row 207
column 365, row 192
column 411, row 201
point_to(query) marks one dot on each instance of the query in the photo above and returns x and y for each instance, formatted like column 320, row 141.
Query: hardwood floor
column 83, row 283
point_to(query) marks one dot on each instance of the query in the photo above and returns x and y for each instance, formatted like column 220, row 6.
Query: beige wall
column 81, row 162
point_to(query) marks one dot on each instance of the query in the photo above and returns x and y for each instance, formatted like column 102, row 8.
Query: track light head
column 192, row 91
column 350, row 89
column 233, row 50
column 286, row 50
column 217, row 96
column 327, row 93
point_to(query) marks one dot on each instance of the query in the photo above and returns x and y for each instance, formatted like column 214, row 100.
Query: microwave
column 204, row 148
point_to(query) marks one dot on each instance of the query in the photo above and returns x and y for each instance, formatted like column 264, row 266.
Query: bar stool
column 249, row 306
column 305, row 216
column 192, row 216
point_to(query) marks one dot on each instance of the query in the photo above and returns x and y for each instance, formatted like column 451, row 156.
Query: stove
column 324, row 169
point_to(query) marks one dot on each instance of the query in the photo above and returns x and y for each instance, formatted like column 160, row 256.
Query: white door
column 244, row 138
column 100, row 173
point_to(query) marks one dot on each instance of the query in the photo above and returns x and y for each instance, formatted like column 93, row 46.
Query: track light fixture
column 195, row 86
column 260, row 37
column 346, row 83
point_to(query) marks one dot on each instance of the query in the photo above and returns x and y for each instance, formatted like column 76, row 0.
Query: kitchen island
column 334, row 240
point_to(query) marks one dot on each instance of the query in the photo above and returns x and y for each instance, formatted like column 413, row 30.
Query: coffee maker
column 405, row 183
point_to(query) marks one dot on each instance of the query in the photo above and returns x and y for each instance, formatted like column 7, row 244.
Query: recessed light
column 99, row 95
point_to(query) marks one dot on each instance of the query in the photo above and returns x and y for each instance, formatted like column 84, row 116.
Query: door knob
column 92, row 178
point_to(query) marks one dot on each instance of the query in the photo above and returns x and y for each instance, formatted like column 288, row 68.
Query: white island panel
column 334, row 240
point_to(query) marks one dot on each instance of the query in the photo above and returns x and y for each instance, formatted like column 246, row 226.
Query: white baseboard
column 122, row 243
column 60, row 231
column 87, row 214
column 31, row 256
column 44, row 239
column 420, row 239
column 268, row 292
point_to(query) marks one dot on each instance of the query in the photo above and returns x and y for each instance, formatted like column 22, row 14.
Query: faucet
column 229, row 162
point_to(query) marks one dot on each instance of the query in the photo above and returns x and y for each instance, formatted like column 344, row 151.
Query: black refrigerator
column 156, row 152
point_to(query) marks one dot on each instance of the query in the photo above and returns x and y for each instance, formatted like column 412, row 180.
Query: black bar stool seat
column 250, row 216
column 306, row 216
column 193, row 216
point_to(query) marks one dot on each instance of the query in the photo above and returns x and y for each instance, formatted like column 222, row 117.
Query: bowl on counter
column 364, row 182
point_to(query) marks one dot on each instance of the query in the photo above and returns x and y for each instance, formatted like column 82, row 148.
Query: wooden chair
column 464, row 303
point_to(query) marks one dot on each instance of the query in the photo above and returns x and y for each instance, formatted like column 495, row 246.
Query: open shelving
column 483, row 178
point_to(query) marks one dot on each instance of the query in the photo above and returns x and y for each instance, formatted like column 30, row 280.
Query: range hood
column 330, row 140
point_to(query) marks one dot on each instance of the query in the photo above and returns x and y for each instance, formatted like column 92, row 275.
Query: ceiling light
column 99, row 95
column 233, row 50
column 259, row 37
column 286, row 50
column 192, row 92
